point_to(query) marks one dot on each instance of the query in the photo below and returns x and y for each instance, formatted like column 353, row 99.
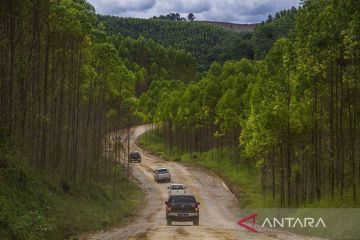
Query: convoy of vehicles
column 162, row 174
column 182, row 208
column 135, row 157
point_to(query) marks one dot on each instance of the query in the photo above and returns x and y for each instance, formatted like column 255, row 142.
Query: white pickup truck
column 162, row 174
column 176, row 189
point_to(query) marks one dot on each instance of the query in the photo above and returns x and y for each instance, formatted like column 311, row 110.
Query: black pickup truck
column 134, row 157
column 182, row 208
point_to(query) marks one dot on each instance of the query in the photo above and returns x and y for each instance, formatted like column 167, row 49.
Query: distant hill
column 206, row 42
column 233, row 26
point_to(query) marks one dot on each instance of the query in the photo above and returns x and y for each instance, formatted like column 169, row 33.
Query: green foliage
column 274, row 28
column 207, row 43
column 33, row 208
column 150, row 61
column 172, row 17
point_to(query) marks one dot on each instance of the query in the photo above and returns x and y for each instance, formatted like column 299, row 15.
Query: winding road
column 219, row 209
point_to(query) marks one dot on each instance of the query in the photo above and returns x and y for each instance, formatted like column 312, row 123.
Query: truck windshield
column 162, row 170
column 182, row 199
column 177, row 187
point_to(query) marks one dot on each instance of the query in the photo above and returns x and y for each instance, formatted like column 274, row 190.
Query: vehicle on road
column 182, row 208
column 162, row 175
column 176, row 189
column 135, row 157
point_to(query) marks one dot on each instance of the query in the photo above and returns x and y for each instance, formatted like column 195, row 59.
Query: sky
column 236, row 11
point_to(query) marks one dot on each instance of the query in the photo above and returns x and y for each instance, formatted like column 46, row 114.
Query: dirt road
column 219, row 210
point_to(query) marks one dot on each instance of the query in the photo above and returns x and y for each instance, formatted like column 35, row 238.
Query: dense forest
column 206, row 42
column 151, row 61
column 294, row 115
column 62, row 88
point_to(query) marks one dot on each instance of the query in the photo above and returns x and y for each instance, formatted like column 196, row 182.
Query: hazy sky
column 240, row 11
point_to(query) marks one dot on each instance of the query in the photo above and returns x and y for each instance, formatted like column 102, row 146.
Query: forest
column 282, row 100
column 62, row 88
column 293, row 115
column 206, row 42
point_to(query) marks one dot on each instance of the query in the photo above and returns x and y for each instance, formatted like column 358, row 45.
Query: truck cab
column 135, row 157
column 182, row 208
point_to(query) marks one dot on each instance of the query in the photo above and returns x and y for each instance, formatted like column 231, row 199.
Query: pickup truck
column 135, row 157
column 176, row 189
column 182, row 208
column 162, row 174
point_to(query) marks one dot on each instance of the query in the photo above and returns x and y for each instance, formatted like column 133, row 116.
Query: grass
column 32, row 207
column 244, row 181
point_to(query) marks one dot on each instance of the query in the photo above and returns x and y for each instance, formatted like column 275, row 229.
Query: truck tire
column 168, row 221
column 196, row 222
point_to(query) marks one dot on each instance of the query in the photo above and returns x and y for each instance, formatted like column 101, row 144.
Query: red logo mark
column 244, row 220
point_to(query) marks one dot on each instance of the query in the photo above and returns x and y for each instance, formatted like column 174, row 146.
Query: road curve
column 219, row 209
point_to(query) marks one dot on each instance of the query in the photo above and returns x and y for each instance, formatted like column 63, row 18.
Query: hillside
column 206, row 42
column 233, row 26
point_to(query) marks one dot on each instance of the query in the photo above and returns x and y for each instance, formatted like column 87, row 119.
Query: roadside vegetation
column 244, row 181
column 32, row 206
